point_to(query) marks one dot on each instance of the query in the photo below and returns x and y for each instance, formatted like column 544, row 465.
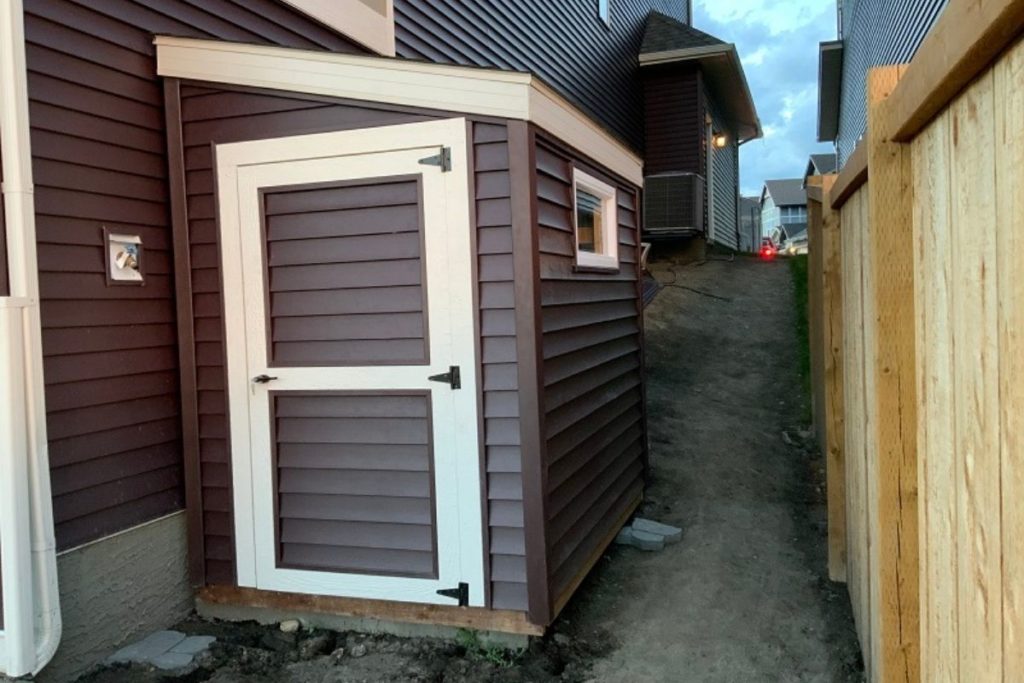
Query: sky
column 778, row 44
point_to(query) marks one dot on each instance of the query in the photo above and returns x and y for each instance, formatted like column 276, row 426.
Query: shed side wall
column 98, row 142
column 592, row 370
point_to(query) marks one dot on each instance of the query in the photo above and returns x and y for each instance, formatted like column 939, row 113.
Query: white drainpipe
column 32, row 620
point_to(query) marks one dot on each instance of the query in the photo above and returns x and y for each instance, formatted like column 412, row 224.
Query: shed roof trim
column 460, row 89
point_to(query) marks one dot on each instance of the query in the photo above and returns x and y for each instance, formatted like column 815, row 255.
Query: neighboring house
column 871, row 33
column 819, row 164
column 297, row 324
column 750, row 224
column 783, row 209
column 699, row 111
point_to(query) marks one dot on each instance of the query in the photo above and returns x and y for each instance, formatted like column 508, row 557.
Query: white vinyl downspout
column 28, row 564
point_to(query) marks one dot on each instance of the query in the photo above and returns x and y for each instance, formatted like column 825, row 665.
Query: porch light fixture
column 721, row 140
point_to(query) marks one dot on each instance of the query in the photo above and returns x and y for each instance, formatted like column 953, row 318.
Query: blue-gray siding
column 562, row 41
column 723, row 187
column 876, row 33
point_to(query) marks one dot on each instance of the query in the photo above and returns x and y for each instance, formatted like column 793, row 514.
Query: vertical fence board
column 832, row 384
column 889, row 315
column 1009, row 141
column 937, row 472
column 975, row 358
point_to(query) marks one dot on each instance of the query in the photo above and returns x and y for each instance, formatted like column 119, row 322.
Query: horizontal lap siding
column 592, row 396
column 500, row 367
column 562, row 41
column 345, row 274
column 355, row 483
column 674, row 122
column 213, row 117
column 725, row 182
column 99, row 160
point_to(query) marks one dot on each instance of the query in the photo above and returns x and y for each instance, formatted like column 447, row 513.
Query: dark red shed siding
column 593, row 414
column 212, row 116
column 98, row 141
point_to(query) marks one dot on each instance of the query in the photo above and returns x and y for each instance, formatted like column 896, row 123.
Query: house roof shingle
column 663, row 33
column 824, row 163
column 789, row 192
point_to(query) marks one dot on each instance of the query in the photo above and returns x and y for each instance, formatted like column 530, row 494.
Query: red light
column 767, row 253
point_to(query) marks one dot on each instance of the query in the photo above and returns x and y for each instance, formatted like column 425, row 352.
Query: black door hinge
column 453, row 377
column 443, row 159
column 461, row 594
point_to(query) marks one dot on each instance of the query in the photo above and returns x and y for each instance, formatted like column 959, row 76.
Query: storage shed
column 414, row 369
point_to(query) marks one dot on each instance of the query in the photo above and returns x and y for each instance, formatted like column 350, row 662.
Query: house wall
column 723, row 186
column 563, row 41
column 592, row 369
column 875, row 33
column 98, row 141
column 674, row 119
column 215, row 115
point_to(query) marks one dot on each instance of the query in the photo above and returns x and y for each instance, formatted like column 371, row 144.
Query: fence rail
column 918, row 331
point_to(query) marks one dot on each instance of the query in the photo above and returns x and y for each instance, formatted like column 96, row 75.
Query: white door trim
column 243, row 168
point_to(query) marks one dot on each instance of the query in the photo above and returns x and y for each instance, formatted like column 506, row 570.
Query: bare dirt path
column 741, row 599
column 744, row 596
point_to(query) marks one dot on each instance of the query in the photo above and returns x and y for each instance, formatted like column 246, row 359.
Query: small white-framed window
column 596, row 222
column 604, row 11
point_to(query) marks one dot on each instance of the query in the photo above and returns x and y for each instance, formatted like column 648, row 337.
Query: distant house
column 783, row 209
column 820, row 164
column 750, row 224
column 871, row 33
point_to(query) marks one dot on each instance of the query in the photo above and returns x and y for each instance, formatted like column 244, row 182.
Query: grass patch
column 798, row 269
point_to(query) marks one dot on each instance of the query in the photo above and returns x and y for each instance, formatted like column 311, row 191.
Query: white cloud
column 778, row 44
column 777, row 17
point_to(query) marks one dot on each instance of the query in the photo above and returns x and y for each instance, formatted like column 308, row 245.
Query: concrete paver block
column 153, row 645
column 193, row 645
column 172, row 661
column 640, row 539
column 671, row 534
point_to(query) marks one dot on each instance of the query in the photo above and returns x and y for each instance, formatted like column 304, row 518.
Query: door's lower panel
column 355, row 482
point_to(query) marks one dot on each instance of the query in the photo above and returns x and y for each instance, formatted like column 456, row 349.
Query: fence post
column 825, row 273
column 890, row 330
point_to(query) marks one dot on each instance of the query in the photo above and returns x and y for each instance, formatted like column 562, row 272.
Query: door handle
column 263, row 379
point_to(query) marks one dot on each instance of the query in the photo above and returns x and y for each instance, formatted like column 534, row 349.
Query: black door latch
column 452, row 377
column 263, row 379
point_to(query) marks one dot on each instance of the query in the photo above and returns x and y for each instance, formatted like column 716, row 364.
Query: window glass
column 589, row 221
column 596, row 218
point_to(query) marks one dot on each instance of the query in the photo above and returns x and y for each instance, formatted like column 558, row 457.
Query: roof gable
column 663, row 33
column 787, row 192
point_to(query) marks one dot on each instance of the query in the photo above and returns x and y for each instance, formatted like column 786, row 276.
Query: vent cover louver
column 674, row 204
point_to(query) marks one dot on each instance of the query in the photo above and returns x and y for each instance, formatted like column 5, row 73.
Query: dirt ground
column 743, row 597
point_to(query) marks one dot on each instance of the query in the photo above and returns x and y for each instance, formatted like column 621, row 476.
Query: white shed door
column 352, row 372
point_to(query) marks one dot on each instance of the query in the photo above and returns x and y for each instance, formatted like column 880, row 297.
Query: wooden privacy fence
column 918, row 332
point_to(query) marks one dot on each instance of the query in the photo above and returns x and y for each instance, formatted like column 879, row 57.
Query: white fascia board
column 354, row 19
column 685, row 54
column 458, row 89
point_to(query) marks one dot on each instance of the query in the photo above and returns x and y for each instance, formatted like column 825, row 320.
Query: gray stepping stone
column 640, row 539
column 172, row 661
column 671, row 534
column 150, row 647
column 193, row 645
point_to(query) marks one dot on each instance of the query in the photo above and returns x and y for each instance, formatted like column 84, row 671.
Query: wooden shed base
column 499, row 621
